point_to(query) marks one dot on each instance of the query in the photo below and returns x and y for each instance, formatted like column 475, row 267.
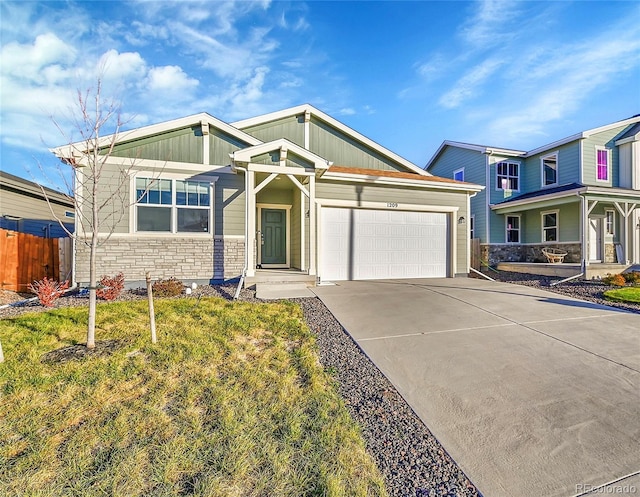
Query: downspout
column 246, row 227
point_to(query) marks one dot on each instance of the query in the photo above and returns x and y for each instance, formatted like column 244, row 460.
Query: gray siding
column 23, row 206
column 474, row 164
column 531, row 224
column 604, row 139
column 568, row 167
column 221, row 145
column 291, row 128
column 181, row 145
column 229, row 206
column 380, row 193
column 343, row 150
column 113, row 194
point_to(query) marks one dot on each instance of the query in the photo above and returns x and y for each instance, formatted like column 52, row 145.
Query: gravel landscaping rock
column 410, row 458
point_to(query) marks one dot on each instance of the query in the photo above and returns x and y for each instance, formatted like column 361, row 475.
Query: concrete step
column 277, row 291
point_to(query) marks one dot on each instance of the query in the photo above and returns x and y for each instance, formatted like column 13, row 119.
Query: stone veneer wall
column 527, row 253
column 185, row 258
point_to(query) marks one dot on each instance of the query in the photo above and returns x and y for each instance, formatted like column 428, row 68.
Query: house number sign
column 392, row 204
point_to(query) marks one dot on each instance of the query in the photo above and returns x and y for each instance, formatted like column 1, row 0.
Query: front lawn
column 231, row 401
column 626, row 294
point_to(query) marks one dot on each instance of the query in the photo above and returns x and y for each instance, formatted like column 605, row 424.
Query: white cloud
column 490, row 24
column 347, row 111
column 171, row 78
column 30, row 59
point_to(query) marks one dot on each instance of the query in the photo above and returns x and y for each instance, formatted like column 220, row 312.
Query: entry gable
column 280, row 152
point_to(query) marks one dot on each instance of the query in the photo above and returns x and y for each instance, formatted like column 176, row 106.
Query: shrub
column 48, row 290
column 170, row 287
column 614, row 280
column 110, row 287
column 632, row 277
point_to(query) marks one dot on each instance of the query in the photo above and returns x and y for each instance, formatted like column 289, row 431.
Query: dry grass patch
column 231, row 401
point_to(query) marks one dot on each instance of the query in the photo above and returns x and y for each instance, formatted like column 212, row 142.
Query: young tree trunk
column 1, row 354
column 93, row 281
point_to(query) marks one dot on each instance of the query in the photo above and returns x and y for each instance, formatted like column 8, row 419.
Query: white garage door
column 362, row 244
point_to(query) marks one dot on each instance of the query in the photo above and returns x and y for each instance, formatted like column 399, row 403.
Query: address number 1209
column 392, row 204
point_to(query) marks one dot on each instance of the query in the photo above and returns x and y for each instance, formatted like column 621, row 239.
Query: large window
column 513, row 229
column 550, row 226
column 508, row 176
column 602, row 164
column 174, row 206
column 550, row 170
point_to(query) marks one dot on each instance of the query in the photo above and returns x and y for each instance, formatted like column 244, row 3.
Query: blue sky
column 406, row 74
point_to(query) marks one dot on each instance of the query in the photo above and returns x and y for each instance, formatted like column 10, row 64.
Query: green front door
column 274, row 236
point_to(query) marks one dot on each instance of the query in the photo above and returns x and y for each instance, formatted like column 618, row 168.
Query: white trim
column 599, row 148
column 142, row 164
column 382, row 180
column 542, row 158
column 228, row 237
column 460, row 170
column 287, row 243
column 325, row 202
column 264, row 168
column 611, row 233
column 506, row 229
column 508, row 176
column 543, row 227
column 245, row 155
column 66, row 151
column 303, row 109
column 303, row 258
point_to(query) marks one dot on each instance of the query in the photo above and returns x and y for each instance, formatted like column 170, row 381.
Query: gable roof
column 67, row 151
column 483, row 149
column 318, row 114
column 632, row 134
column 245, row 154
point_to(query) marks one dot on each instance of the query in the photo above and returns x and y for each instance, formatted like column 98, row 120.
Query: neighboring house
column 294, row 189
column 24, row 208
column 580, row 194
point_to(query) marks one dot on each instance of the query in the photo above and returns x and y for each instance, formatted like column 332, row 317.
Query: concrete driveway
column 532, row 393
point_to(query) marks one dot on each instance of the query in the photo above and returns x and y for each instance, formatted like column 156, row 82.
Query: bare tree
column 100, row 188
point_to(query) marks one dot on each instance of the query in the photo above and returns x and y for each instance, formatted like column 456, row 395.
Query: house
column 294, row 190
column 24, row 208
column 580, row 194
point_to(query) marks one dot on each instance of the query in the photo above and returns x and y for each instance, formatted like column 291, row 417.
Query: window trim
column 556, row 227
column 542, row 159
column 608, row 152
column 506, row 228
column 461, row 170
column 517, row 177
column 173, row 177
column 611, row 232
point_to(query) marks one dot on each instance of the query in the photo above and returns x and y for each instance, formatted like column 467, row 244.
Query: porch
column 563, row 270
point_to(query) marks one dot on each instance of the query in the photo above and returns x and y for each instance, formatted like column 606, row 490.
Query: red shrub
column 48, row 291
column 614, row 280
column 110, row 287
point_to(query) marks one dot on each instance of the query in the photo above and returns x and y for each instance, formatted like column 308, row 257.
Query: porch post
column 250, row 237
column 303, row 261
column 584, row 227
column 313, row 256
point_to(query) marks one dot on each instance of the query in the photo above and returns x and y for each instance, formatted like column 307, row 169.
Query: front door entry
column 273, row 237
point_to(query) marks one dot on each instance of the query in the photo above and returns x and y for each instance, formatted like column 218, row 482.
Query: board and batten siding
column 221, row 145
column 416, row 196
column 229, row 205
column 290, row 127
column 343, row 150
column 180, row 145
column 474, row 163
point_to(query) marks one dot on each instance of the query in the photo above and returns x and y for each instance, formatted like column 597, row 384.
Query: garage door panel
column 382, row 244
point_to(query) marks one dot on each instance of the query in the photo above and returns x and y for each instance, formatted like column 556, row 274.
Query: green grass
column 627, row 294
column 231, row 401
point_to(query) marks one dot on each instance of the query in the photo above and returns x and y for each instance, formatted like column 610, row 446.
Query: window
column 458, row 175
column 602, row 164
column 550, row 170
column 175, row 206
column 513, row 229
column 508, row 174
column 550, row 226
column 69, row 214
column 472, row 228
column 609, row 218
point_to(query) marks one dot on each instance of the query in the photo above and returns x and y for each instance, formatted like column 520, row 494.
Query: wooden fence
column 27, row 258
